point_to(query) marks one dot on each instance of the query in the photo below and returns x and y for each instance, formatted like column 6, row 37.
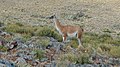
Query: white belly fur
column 69, row 34
column 72, row 34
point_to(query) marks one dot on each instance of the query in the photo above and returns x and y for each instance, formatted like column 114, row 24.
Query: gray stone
column 72, row 65
column 2, row 65
column 89, row 65
column 53, row 64
column 48, row 65
column 43, row 59
column 7, row 63
column 20, row 60
column 57, row 45
column 52, row 39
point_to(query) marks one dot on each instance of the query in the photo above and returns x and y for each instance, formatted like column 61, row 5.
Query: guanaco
column 68, row 30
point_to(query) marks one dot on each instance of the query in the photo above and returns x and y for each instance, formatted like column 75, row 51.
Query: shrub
column 105, row 47
column 19, row 28
column 43, row 41
column 105, row 38
column 39, row 54
column 12, row 28
column 69, row 56
column 2, row 48
column 90, row 38
column 83, row 58
column 107, row 31
column 73, row 43
column 115, row 51
column 50, row 32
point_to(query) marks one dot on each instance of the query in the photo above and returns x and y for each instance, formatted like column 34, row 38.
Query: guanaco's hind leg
column 79, row 39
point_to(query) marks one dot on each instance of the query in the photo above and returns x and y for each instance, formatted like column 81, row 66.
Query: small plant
column 1, row 24
column 45, row 31
column 107, row 31
column 39, row 54
column 83, row 58
column 70, row 57
column 2, row 48
column 105, row 47
column 105, row 38
column 73, row 43
column 19, row 24
column 118, row 34
column 115, row 51
column 43, row 41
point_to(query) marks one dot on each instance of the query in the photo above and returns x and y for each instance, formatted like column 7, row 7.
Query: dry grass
column 103, row 13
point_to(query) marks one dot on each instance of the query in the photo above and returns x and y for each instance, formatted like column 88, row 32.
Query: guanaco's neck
column 58, row 25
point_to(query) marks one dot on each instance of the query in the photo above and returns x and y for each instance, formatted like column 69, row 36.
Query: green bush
column 115, row 51
column 82, row 58
column 105, row 47
column 2, row 48
column 69, row 56
column 107, row 31
column 105, row 38
column 39, row 54
column 50, row 32
column 74, row 43
column 43, row 41
column 91, row 38
column 19, row 28
column 12, row 28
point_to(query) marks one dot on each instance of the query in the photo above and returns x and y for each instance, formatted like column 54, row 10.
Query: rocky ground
column 24, row 43
column 31, row 53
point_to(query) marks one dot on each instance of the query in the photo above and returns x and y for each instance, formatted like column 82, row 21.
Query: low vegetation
column 39, row 54
column 82, row 58
column 104, row 44
column 28, row 31
column 115, row 51
column 2, row 48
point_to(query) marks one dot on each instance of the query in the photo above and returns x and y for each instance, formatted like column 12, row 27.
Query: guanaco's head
column 51, row 17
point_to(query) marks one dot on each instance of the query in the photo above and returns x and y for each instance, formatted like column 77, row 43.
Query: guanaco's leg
column 64, row 37
column 79, row 39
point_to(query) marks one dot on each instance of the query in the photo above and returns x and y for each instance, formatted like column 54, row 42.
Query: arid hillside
column 99, row 14
column 29, row 39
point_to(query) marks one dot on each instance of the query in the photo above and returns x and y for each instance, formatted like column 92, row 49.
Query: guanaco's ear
column 51, row 17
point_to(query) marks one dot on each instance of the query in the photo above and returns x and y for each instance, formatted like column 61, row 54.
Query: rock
column 89, row 65
column 53, row 40
column 57, row 45
column 6, row 63
column 5, row 34
column 1, row 24
column 12, row 45
column 2, row 41
column 44, row 59
column 53, row 64
column 2, row 65
column 50, row 53
column 20, row 61
column 47, row 65
column 23, row 54
column 72, row 65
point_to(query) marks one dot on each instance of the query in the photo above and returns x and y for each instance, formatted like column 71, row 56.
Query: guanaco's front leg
column 64, row 37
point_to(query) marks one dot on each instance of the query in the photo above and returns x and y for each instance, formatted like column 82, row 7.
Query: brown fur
column 69, row 29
